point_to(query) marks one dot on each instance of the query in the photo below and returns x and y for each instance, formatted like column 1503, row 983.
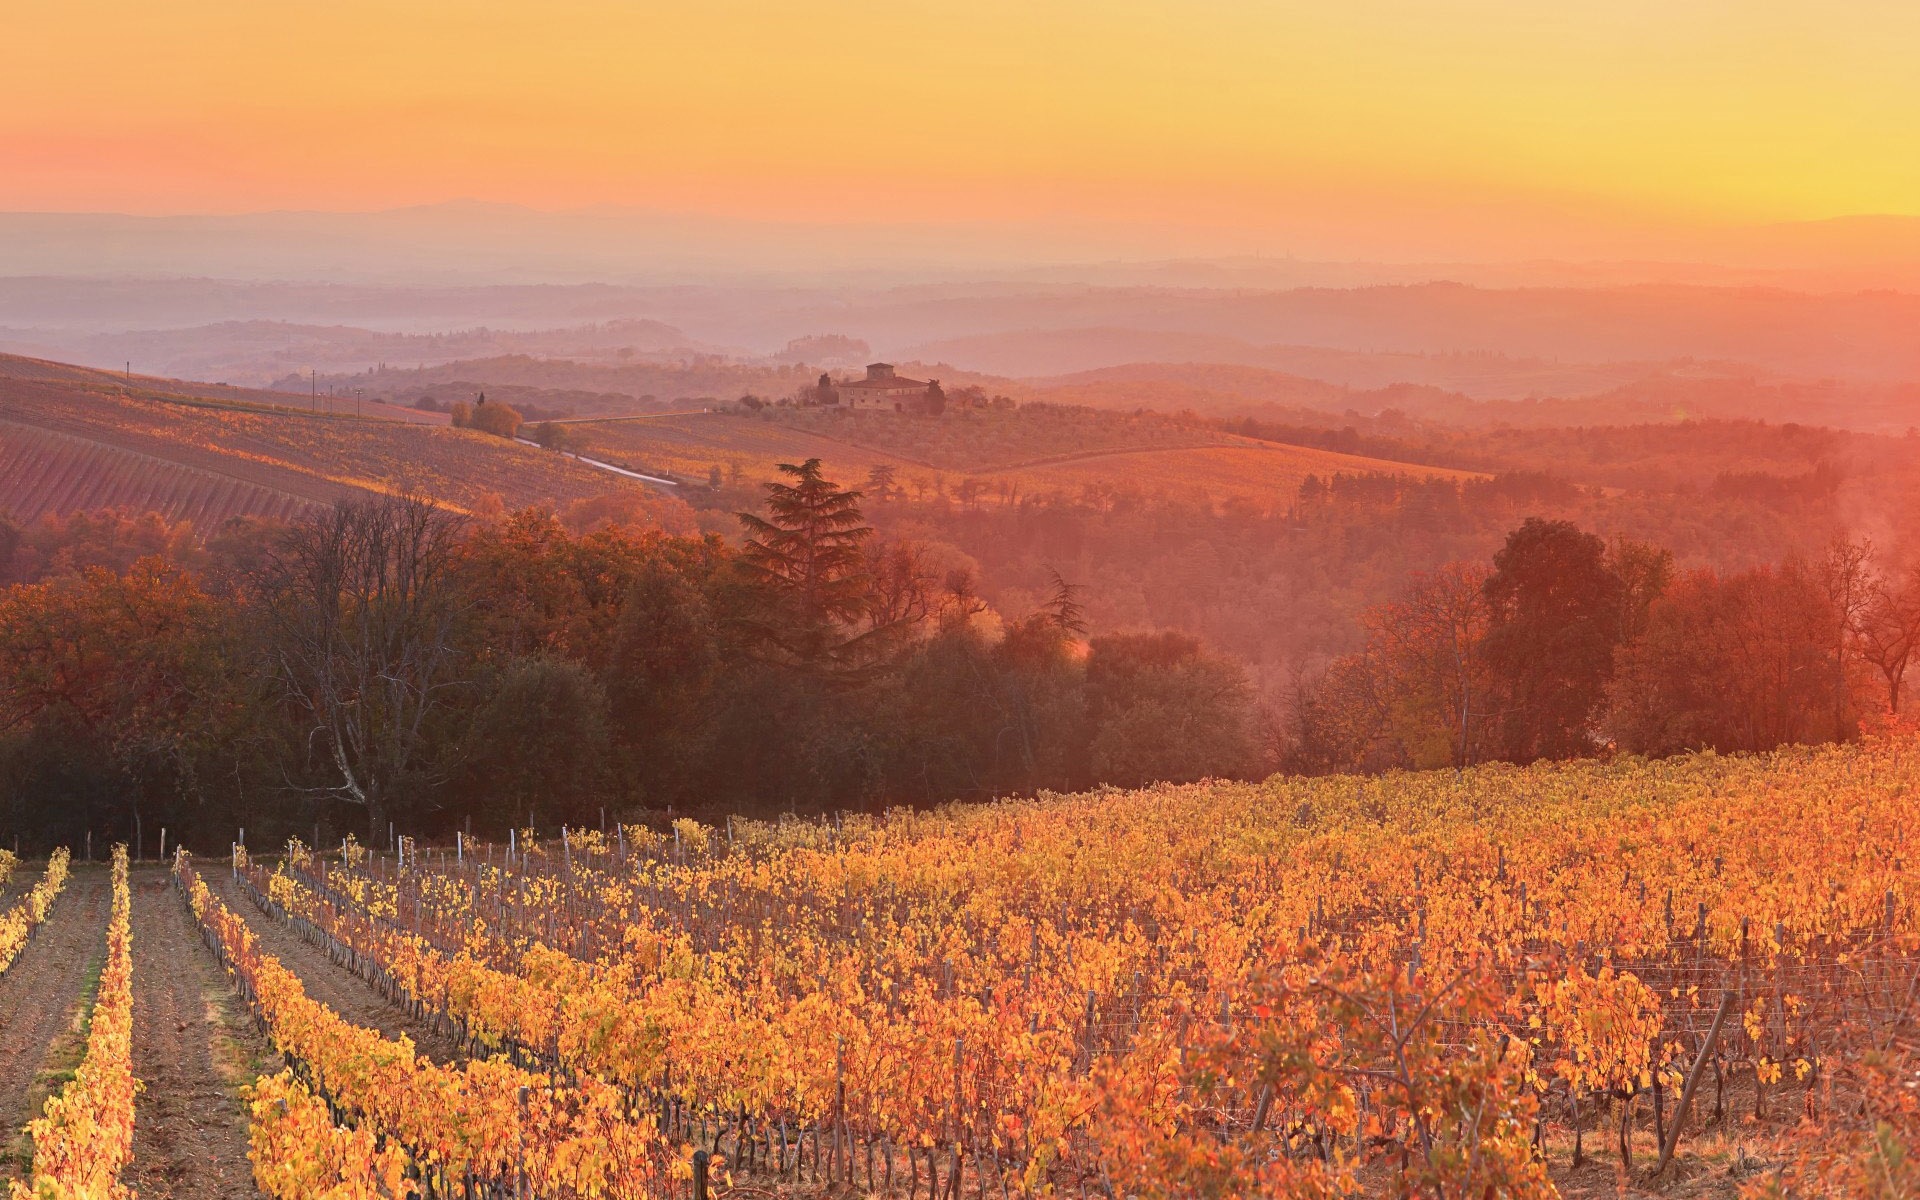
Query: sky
column 1482, row 125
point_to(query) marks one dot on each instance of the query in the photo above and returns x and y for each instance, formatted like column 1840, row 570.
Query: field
column 72, row 440
column 689, row 446
column 1005, row 455
column 1672, row 978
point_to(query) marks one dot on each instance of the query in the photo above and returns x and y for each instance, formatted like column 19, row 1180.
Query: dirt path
column 42, row 993
column 334, row 986
column 193, row 1048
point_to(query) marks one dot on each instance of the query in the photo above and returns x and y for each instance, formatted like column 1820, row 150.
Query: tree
column 903, row 586
column 1429, row 645
column 1039, row 695
column 1887, row 630
column 500, row 420
column 1744, row 662
column 1555, row 610
column 1418, row 694
column 1847, row 575
column 1341, row 721
column 540, row 743
column 359, row 610
column 807, row 560
column 132, row 668
column 880, row 482
column 661, row 682
column 550, row 434
column 1160, row 709
column 1644, row 571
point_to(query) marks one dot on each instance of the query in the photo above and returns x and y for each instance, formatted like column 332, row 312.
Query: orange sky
column 1210, row 113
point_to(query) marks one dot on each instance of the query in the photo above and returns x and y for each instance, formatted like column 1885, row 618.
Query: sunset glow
column 1233, row 113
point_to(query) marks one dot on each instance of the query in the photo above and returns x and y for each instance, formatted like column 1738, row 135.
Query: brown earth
column 332, row 985
column 42, row 997
column 194, row 1047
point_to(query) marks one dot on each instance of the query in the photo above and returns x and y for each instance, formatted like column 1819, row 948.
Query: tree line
column 1566, row 645
column 389, row 660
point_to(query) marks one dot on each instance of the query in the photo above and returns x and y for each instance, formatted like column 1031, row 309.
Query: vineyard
column 49, row 473
column 1694, row 976
column 988, row 454
column 85, row 443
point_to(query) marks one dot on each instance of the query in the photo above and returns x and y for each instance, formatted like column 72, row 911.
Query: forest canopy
column 391, row 661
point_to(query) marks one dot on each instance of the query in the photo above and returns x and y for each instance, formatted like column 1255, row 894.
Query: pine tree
column 807, row 561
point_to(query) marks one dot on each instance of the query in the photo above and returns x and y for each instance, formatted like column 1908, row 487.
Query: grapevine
column 488, row 1120
column 18, row 923
column 990, row 990
column 85, row 1138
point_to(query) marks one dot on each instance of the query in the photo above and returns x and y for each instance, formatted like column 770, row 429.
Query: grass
column 237, row 1060
column 62, row 1061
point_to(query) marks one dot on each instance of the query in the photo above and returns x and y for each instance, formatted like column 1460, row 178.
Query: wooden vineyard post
column 1693, row 1080
column 1573, row 1104
column 958, row 1166
column 700, row 1161
column 839, row 1112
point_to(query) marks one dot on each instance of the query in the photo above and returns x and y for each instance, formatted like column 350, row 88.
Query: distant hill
column 1671, row 392
column 1310, row 376
column 1861, row 336
column 74, row 439
column 259, row 352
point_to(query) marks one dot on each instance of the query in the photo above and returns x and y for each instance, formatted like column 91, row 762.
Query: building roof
column 900, row 382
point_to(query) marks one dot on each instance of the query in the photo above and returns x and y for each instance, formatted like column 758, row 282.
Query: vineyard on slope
column 1301, row 983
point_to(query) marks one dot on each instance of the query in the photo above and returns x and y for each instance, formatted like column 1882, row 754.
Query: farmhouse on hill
column 884, row 390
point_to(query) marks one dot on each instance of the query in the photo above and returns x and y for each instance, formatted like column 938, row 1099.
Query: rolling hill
column 74, row 439
column 1024, row 452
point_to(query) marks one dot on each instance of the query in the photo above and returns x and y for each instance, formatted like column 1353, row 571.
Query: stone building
column 884, row 390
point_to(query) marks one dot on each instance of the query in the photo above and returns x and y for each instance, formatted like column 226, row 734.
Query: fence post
column 700, row 1160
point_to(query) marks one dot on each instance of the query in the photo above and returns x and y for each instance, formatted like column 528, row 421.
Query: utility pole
column 313, row 382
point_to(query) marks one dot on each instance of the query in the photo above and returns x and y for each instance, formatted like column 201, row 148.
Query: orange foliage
column 85, row 1138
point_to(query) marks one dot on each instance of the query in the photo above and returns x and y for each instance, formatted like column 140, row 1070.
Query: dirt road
column 194, row 1047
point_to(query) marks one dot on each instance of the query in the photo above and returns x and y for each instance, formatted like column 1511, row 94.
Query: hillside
column 73, row 439
column 582, row 388
column 257, row 352
column 1039, row 449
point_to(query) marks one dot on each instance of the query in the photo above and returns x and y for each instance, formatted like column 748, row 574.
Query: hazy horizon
column 470, row 241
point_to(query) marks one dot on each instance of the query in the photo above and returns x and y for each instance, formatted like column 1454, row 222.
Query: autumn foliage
column 18, row 922
column 84, row 1140
column 1412, row 985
